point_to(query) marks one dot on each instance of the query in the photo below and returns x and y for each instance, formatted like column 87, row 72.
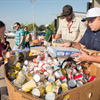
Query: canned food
column 55, row 89
column 63, row 79
column 55, row 62
column 50, row 70
column 46, row 55
column 39, row 91
column 41, row 64
column 27, row 87
column 26, row 62
column 58, row 74
column 46, row 83
column 29, row 76
column 72, row 83
column 57, row 83
column 47, row 66
column 91, row 78
column 64, row 86
column 39, row 57
column 51, row 78
column 46, row 74
column 79, row 83
column 86, row 71
column 66, row 64
column 40, row 83
column 19, row 65
column 78, row 67
column 39, row 78
column 41, row 70
column 70, row 76
column 50, row 96
column 78, row 77
column 19, row 81
column 56, row 68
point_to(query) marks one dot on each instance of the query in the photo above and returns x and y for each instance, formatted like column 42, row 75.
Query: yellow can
column 39, row 91
column 64, row 86
column 27, row 87
column 29, row 77
column 54, row 89
column 19, row 65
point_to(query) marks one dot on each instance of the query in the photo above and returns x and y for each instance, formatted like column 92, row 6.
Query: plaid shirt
column 18, row 35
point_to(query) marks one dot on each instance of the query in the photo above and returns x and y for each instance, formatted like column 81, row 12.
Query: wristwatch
column 70, row 44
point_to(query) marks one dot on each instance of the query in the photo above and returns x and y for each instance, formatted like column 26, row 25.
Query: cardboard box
column 91, row 89
column 62, row 51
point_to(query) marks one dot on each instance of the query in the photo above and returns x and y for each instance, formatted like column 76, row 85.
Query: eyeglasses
column 15, row 26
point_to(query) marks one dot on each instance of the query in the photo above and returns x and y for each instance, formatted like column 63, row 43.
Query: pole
column 33, row 20
column 32, row 1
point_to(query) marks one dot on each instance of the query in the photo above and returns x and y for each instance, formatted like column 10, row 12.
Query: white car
column 10, row 34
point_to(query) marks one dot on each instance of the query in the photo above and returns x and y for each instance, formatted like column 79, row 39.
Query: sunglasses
column 15, row 26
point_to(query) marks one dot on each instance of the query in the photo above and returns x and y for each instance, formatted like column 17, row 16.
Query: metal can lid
column 72, row 83
column 26, row 62
column 36, row 78
column 51, row 79
column 50, row 96
column 79, row 67
column 79, row 83
column 36, row 92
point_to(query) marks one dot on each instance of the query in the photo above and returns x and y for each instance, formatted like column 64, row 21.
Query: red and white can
column 78, row 77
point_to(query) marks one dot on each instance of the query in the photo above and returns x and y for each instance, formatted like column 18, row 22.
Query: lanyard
column 69, row 27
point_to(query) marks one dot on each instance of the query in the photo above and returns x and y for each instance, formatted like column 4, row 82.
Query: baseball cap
column 92, row 13
column 46, row 25
column 67, row 10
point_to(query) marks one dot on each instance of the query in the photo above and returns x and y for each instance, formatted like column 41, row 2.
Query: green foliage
column 51, row 26
column 41, row 27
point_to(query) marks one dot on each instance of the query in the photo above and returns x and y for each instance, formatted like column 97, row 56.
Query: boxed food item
column 60, row 41
column 62, row 51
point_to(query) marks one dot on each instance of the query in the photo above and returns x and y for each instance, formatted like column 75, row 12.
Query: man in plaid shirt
column 19, row 37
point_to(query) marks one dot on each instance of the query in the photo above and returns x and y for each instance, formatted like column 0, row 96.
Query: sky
column 45, row 11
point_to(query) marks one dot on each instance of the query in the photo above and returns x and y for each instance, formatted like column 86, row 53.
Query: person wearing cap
column 48, row 36
column 91, row 38
column 71, row 27
column 5, row 44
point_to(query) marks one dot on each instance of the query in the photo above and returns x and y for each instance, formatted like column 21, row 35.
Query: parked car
column 41, row 33
column 10, row 34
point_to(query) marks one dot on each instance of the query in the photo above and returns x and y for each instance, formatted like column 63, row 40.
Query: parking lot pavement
column 3, row 87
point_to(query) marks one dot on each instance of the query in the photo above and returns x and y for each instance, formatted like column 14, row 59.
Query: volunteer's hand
column 81, row 57
column 8, row 54
column 66, row 44
column 19, row 46
column 48, row 41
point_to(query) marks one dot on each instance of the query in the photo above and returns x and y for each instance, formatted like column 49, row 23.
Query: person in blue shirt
column 91, row 38
column 19, row 37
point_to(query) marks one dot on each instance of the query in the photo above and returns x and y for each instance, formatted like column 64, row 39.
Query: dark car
column 41, row 33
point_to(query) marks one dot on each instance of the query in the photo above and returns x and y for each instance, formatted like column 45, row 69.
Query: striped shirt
column 18, row 35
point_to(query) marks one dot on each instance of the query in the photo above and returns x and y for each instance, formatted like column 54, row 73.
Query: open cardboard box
column 88, row 91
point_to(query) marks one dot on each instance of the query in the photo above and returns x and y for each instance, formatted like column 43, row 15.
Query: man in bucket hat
column 91, row 38
column 71, row 27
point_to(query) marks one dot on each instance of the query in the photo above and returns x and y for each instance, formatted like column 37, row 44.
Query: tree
column 51, row 26
column 41, row 27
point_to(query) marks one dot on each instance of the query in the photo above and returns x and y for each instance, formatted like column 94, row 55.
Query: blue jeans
column 16, row 47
